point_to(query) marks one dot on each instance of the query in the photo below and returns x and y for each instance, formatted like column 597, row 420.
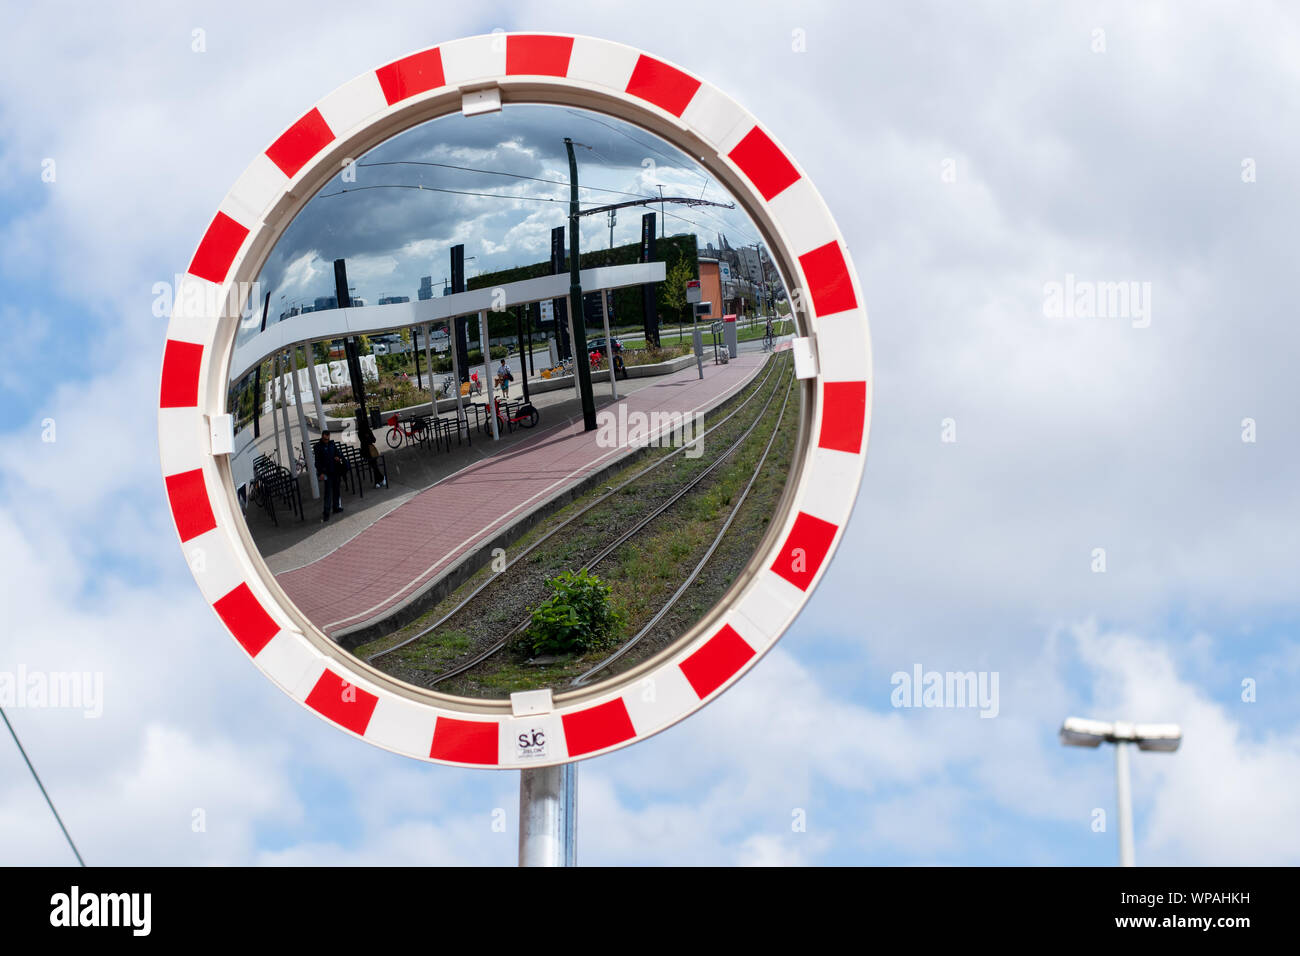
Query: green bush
column 576, row 617
column 396, row 393
column 652, row 356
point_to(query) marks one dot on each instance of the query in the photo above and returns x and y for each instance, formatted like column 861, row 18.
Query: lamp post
column 1164, row 738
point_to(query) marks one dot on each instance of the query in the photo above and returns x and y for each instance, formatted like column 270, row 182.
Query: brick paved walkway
column 409, row 548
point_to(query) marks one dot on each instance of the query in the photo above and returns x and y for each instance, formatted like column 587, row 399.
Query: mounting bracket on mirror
column 481, row 101
column 222, row 432
column 805, row 360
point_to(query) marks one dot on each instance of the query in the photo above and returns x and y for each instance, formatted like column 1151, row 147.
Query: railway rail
column 499, row 579
column 503, row 642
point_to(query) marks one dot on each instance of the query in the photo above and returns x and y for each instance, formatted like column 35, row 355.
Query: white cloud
column 1231, row 794
column 1070, row 437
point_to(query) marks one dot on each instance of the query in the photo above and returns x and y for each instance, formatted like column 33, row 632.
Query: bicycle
column 524, row 415
column 399, row 432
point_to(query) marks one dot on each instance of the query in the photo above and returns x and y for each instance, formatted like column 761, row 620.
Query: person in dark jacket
column 329, row 469
column 366, row 438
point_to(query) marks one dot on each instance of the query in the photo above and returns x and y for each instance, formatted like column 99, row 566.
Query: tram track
column 481, row 594
column 635, row 640
column 624, row 537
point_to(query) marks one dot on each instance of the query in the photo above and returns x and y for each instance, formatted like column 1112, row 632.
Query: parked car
column 598, row 345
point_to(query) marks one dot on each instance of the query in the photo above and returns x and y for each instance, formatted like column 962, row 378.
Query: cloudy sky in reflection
column 498, row 183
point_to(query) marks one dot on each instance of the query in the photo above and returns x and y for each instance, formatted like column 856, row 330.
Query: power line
column 682, row 200
column 441, row 189
column 555, row 182
column 718, row 223
column 497, row 172
column 672, row 159
column 35, row 776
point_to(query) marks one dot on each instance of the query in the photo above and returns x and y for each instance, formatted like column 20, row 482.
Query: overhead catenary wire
column 465, row 192
column 536, row 179
column 705, row 180
column 442, row 189
column 498, row 172
column 653, row 149
column 37, row 777
column 642, row 199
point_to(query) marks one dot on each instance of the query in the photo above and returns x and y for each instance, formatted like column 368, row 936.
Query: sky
column 500, row 185
column 978, row 158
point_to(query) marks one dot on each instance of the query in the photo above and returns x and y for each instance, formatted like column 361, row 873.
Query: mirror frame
column 832, row 359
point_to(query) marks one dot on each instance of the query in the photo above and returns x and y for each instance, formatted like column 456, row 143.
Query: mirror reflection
column 480, row 468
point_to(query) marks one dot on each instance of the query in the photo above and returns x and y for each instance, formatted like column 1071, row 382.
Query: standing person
column 329, row 469
column 370, row 449
column 767, row 334
column 504, row 378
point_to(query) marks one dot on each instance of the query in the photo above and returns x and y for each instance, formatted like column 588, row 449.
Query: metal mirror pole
column 548, row 816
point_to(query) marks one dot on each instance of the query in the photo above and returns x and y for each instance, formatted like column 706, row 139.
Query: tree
column 672, row 291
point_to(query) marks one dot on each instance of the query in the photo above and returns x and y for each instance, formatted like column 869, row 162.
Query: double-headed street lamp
column 1081, row 732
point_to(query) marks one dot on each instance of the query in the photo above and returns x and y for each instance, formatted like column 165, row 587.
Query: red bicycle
column 409, row 431
column 524, row 415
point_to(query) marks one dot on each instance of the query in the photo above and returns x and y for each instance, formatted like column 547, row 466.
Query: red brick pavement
column 411, row 546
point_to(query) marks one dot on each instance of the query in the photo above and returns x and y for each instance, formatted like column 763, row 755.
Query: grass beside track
column 593, row 528
column 642, row 573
